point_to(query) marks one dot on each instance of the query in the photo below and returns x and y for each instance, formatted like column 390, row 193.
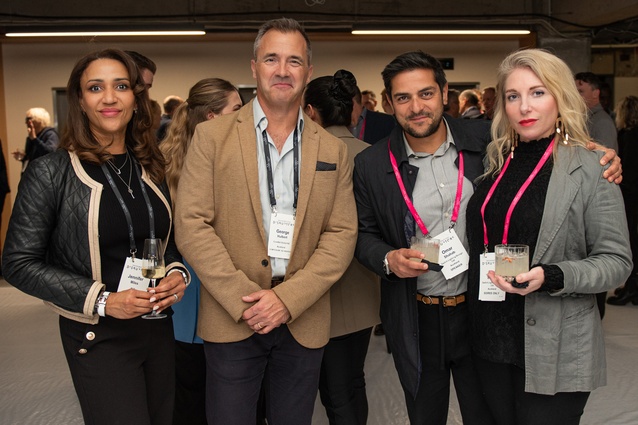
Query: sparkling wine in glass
column 153, row 268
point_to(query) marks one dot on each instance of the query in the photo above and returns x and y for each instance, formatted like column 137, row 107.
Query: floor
column 36, row 389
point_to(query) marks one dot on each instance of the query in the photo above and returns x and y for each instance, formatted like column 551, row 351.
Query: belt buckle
column 426, row 299
column 449, row 301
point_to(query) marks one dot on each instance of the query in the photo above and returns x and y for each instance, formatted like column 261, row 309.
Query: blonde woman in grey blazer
column 540, row 351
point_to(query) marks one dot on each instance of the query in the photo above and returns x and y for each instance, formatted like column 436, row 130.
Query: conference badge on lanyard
column 282, row 227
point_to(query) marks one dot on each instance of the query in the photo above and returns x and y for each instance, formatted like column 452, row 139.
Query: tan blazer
column 355, row 298
column 219, row 228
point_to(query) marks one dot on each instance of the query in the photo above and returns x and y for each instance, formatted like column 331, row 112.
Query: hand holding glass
column 428, row 246
column 153, row 268
column 511, row 260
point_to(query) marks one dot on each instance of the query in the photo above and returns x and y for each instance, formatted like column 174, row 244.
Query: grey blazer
column 584, row 232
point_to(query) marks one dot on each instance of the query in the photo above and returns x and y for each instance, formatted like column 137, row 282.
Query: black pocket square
column 326, row 166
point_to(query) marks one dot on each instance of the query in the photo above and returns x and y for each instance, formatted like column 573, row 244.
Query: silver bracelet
column 100, row 304
column 183, row 273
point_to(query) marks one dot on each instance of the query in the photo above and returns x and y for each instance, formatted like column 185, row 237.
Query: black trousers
column 504, row 386
column 342, row 384
column 190, row 384
column 445, row 349
column 123, row 370
column 235, row 372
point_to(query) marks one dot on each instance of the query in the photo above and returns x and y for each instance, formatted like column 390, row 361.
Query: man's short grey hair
column 285, row 25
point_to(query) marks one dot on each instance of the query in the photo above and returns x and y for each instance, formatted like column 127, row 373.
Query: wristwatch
column 386, row 266
column 100, row 304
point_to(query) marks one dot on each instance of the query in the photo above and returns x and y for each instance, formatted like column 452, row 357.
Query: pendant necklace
column 115, row 168
column 118, row 170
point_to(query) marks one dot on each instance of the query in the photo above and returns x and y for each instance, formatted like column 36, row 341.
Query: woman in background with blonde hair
column 539, row 349
column 207, row 99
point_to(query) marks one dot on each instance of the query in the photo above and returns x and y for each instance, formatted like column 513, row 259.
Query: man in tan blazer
column 266, row 216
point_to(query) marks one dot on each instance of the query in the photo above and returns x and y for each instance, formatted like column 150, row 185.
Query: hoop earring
column 513, row 141
column 561, row 130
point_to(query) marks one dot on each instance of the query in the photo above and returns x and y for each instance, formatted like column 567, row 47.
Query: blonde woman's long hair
column 559, row 81
column 209, row 95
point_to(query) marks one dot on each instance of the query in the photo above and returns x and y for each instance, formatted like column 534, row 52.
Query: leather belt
column 446, row 301
column 276, row 281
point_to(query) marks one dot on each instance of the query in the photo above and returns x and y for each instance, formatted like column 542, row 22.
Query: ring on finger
column 260, row 325
column 176, row 297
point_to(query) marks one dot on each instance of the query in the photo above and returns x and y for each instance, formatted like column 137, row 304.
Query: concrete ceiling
column 604, row 22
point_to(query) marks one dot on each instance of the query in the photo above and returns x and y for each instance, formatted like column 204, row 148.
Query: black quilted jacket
column 51, row 250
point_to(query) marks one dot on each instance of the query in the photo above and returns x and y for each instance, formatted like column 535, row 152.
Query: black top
column 114, row 240
column 497, row 327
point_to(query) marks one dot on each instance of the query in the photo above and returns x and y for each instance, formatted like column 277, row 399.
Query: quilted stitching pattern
column 48, row 234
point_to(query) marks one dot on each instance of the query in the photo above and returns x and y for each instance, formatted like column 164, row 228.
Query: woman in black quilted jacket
column 75, row 240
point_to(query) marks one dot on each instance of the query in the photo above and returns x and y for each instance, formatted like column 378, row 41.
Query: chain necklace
column 118, row 171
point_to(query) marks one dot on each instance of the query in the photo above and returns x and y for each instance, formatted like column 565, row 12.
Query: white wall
column 32, row 70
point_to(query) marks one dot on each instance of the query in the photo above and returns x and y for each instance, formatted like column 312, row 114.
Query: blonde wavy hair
column 209, row 95
column 559, row 81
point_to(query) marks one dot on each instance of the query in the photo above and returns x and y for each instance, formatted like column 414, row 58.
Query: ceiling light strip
column 102, row 33
column 440, row 32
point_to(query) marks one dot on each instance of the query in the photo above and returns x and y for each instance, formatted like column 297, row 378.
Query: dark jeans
column 342, row 384
column 504, row 386
column 127, row 373
column 445, row 348
column 190, row 388
column 235, row 371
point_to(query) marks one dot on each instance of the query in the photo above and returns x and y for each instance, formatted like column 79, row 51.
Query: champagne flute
column 153, row 268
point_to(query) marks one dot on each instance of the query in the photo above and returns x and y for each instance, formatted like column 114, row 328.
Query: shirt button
column 83, row 351
column 442, row 184
column 531, row 322
column 90, row 336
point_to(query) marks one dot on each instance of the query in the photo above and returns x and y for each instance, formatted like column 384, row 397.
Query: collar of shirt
column 261, row 120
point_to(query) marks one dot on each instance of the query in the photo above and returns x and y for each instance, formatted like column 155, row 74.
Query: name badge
column 132, row 276
column 282, row 227
column 487, row 290
column 452, row 254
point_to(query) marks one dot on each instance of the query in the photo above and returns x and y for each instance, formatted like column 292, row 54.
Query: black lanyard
column 127, row 214
column 271, row 184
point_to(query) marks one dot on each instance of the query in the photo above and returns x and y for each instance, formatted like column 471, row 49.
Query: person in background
column 369, row 100
column 266, row 217
column 539, row 346
column 600, row 125
column 626, row 112
column 146, row 66
column 489, row 98
column 170, row 105
column 207, row 99
column 4, row 187
column 453, row 106
column 76, row 236
column 385, row 103
column 354, row 299
column 469, row 105
column 156, row 115
column 370, row 126
column 41, row 137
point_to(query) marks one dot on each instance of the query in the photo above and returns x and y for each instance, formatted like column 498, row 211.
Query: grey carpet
column 36, row 389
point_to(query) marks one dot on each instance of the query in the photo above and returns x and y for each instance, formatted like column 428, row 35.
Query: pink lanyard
column 518, row 196
column 363, row 129
column 408, row 202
